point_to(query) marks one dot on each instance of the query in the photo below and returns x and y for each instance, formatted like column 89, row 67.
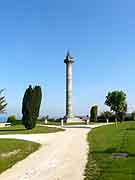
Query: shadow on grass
column 106, row 151
column 130, row 129
column 113, row 150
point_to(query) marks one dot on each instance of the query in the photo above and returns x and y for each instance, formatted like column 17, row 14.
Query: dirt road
column 62, row 156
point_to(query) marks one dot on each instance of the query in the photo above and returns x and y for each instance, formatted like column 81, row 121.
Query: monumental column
column 69, row 61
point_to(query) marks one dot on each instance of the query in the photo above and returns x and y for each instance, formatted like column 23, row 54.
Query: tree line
column 115, row 100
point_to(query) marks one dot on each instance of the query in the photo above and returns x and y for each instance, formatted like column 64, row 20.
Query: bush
column 133, row 115
column 101, row 118
column 11, row 119
column 121, row 116
column 42, row 119
column 58, row 120
column 54, row 120
column 105, row 115
column 128, row 117
column 112, row 118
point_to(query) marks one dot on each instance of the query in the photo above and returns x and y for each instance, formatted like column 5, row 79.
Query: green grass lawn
column 104, row 141
column 13, row 150
column 19, row 129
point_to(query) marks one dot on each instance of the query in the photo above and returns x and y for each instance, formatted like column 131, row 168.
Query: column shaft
column 69, row 90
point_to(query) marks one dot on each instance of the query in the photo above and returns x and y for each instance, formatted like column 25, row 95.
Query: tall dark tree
column 31, row 106
column 3, row 103
column 116, row 100
column 93, row 113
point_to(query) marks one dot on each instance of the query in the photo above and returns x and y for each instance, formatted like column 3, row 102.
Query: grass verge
column 104, row 141
column 19, row 129
column 13, row 150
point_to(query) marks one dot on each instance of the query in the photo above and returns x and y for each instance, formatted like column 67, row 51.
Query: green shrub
column 11, row 119
column 133, row 115
column 101, row 118
column 121, row 116
column 41, row 120
column 17, row 122
column 128, row 117
column 106, row 115
column 112, row 118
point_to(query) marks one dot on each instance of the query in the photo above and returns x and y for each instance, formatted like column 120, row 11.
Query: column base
column 72, row 119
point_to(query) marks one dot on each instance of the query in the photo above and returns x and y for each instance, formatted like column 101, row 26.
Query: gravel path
column 62, row 156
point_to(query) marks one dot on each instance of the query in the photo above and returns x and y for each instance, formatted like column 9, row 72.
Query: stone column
column 69, row 61
column 69, row 90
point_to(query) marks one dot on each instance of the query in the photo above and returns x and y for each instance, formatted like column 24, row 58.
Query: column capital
column 69, row 58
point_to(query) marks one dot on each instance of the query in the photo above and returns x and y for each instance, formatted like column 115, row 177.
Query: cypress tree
column 31, row 106
column 93, row 113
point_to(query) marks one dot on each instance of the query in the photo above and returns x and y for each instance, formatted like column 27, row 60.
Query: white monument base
column 73, row 120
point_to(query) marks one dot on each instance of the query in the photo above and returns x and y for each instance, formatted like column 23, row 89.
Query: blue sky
column 34, row 38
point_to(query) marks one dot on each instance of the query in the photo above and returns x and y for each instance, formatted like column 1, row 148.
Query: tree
column 31, row 106
column 93, row 113
column 107, row 115
column 133, row 115
column 116, row 100
column 122, row 115
column 3, row 103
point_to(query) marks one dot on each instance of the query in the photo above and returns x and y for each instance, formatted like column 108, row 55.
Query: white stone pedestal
column 73, row 120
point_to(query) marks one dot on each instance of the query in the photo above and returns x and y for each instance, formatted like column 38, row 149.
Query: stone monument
column 69, row 117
